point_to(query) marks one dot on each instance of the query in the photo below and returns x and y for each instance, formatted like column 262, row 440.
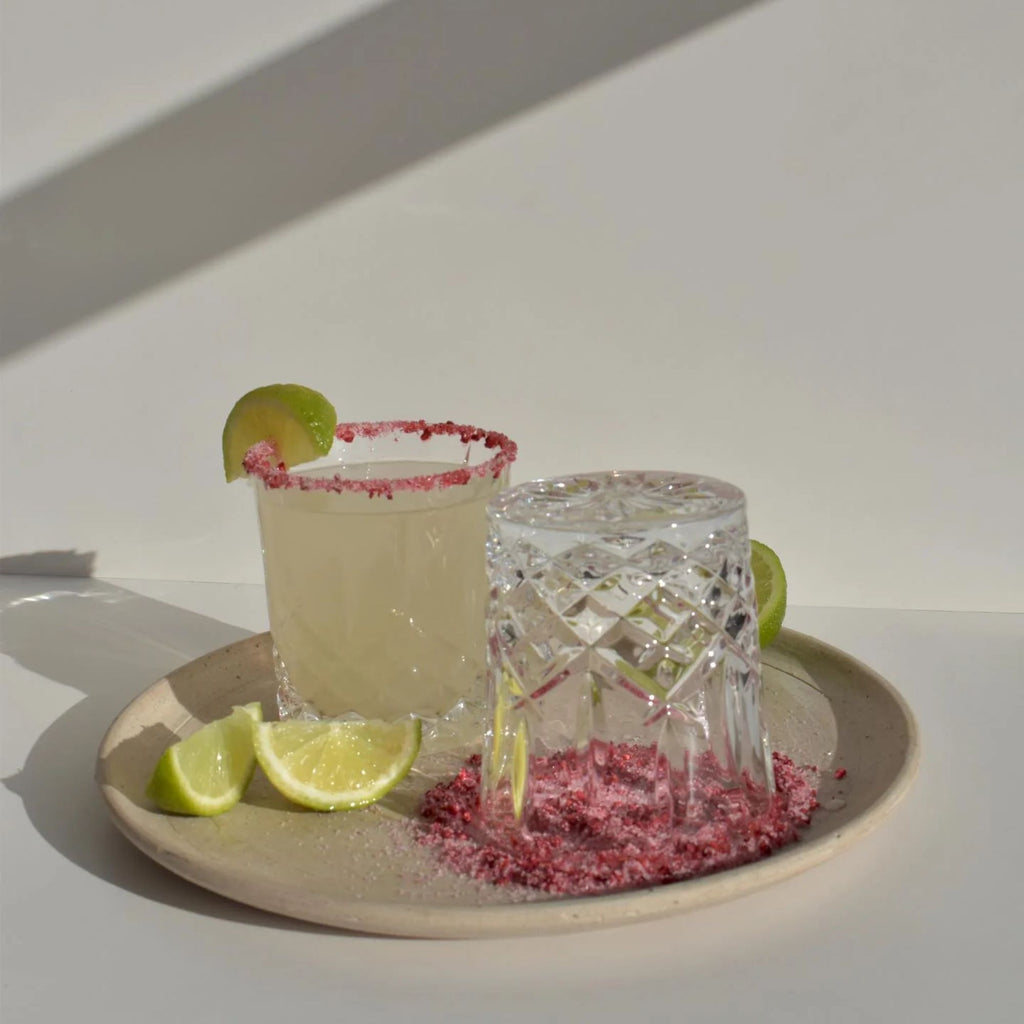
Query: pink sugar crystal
column 575, row 846
column 262, row 461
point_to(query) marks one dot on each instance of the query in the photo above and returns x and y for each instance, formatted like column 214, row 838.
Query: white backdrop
column 784, row 248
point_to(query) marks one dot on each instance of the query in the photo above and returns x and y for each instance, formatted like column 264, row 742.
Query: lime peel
column 336, row 765
column 297, row 420
column 770, row 588
column 520, row 769
column 207, row 773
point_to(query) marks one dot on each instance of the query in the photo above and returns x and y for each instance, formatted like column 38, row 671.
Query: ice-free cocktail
column 375, row 568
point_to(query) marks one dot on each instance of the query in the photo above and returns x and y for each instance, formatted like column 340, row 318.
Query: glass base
column 290, row 704
column 446, row 741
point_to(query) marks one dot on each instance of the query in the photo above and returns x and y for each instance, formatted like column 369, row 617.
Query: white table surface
column 920, row 921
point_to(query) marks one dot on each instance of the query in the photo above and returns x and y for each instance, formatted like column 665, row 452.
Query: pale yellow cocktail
column 375, row 571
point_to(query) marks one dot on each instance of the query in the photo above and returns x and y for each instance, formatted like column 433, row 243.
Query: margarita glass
column 374, row 560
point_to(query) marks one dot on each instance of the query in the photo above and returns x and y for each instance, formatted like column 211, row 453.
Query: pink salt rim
column 262, row 460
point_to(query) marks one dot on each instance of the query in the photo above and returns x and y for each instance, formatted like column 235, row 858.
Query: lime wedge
column 299, row 420
column 336, row 766
column 770, row 587
column 207, row 773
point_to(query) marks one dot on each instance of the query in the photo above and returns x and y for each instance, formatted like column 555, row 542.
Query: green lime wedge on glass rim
column 336, row 765
column 208, row 772
column 770, row 588
column 298, row 420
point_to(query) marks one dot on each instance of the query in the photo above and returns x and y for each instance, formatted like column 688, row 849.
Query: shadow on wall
column 109, row 644
column 381, row 92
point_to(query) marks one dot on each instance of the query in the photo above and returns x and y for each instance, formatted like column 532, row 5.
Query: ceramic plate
column 363, row 870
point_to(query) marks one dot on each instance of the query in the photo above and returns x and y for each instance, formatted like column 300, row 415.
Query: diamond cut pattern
column 588, row 564
column 646, row 634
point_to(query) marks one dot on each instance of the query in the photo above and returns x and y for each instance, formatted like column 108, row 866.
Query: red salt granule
column 575, row 846
column 840, row 773
column 261, row 460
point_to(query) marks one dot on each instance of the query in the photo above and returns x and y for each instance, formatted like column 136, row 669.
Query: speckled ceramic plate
column 363, row 870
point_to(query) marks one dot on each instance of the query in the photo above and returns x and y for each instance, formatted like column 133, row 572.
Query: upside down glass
column 375, row 569
column 622, row 644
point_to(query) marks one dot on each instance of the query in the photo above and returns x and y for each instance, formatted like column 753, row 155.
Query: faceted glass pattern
column 622, row 611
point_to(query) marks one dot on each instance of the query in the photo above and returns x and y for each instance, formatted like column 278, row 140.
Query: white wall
column 785, row 249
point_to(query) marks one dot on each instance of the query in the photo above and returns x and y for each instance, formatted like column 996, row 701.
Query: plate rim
column 150, row 833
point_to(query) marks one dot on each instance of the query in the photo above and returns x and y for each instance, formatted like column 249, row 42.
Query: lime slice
column 299, row 420
column 336, row 766
column 770, row 586
column 207, row 773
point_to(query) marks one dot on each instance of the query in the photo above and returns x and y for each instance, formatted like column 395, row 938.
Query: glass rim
column 262, row 461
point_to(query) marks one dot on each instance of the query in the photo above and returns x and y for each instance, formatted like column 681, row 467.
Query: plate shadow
column 109, row 644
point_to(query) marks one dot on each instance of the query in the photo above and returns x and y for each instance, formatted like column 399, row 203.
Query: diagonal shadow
column 109, row 644
column 382, row 91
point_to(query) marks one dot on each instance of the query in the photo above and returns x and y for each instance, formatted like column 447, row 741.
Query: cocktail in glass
column 375, row 568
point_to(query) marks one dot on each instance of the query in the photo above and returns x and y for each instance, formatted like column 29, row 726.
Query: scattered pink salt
column 575, row 846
